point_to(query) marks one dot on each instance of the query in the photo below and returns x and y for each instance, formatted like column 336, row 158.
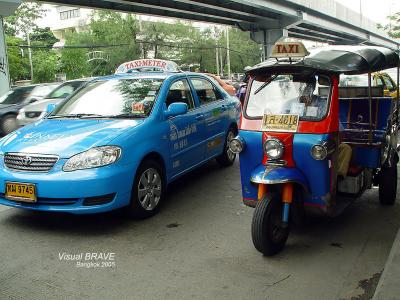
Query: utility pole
column 228, row 58
column 30, row 53
column 221, row 64
column 140, row 30
column 216, row 56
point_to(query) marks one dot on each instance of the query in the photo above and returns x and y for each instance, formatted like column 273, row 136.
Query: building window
column 69, row 14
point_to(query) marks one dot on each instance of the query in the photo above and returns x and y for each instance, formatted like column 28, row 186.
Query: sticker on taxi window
column 137, row 108
column 281, row 122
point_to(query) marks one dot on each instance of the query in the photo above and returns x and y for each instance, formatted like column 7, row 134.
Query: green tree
column 45, row 65
column 393, row 27
column 18, row 64
column 44, row 36
column 113, row 28
column 23, row 19
column 23, row 22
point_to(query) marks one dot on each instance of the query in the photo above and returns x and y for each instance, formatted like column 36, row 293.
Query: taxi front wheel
column 227, row 158
column 148, row 190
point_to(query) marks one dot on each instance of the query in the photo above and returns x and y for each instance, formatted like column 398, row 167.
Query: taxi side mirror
column 176, row 109
column 50, row 108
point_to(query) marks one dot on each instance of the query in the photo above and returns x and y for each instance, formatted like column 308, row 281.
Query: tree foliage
column 18, row 65
column 120, row 38
column 23, row 19
column 393, row 27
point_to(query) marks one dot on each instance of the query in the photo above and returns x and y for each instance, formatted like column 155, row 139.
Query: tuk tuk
column 308, row 146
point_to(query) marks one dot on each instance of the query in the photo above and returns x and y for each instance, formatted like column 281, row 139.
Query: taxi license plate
column 25, row 192
column 282, row 122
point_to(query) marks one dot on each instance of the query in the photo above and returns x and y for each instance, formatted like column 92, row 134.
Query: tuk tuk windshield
column 306, row 96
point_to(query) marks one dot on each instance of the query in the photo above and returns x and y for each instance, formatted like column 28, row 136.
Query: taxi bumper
column 79, row 192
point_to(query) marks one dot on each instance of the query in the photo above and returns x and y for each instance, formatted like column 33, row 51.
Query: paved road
column 199, row 247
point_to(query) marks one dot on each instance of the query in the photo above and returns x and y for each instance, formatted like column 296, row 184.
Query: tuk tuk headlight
column 236, row 145
column 273, row 148
column 319, row 152
column 93, row 158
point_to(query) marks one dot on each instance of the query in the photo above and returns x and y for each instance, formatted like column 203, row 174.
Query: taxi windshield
column 132, row 97
column 306, row 96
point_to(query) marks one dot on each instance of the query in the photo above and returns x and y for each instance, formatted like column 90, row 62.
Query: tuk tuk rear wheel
column 268, row 234
column 388, row 185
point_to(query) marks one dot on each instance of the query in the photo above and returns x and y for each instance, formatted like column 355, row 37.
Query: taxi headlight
column 93, row 158
column 236, row 145
column 273, row 148
column 319, row 152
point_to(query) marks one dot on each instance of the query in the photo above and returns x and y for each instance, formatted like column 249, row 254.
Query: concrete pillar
column 4, row 72
column 268, row 38
column 7, row 7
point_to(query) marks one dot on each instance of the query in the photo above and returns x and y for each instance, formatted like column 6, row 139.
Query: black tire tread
column 259, row 232
column 388, row 185
column 223, row 159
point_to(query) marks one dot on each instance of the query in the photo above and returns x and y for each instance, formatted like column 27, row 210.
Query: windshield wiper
column 265, row 84
column 126, row 116
column 73, row 116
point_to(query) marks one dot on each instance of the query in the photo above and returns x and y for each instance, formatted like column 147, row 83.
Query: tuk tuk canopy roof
column 337, row 59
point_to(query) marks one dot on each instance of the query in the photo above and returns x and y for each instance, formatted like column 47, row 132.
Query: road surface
column 198, row 247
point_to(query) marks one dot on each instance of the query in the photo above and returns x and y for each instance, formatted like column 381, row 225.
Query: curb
column 388, row 287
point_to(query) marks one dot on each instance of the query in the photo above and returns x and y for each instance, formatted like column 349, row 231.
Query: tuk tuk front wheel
column 267, row 230
column 388, row 185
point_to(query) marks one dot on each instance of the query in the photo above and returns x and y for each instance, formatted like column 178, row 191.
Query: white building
column 68, row 19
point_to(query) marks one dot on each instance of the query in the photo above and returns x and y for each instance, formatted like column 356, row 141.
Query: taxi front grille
column 30, row 162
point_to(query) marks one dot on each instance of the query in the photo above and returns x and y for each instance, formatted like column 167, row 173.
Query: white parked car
column 37, row 110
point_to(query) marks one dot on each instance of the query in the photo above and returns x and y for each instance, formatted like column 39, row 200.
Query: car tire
column 227, row 158
column 268, row 235
column 388, row 185
column 148, row 190
column 8, row 124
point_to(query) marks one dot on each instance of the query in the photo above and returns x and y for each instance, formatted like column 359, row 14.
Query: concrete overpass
column 267, row 20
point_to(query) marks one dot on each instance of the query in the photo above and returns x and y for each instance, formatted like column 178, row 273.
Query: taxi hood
column 65, row 137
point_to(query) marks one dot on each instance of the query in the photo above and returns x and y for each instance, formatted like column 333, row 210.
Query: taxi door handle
column 200, row 117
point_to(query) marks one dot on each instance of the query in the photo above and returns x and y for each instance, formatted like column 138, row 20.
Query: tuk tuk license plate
column 283, row 122
column 25, row 192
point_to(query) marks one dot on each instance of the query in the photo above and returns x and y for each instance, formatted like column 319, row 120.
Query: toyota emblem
column 26, row 160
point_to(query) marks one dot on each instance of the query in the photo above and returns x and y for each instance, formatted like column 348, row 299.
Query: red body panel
column 287, row 140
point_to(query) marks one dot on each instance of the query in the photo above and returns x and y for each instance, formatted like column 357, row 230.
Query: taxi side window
column 206, row 91
column 180, row 92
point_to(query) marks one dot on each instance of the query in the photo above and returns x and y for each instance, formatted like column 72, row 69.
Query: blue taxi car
column 119, row 141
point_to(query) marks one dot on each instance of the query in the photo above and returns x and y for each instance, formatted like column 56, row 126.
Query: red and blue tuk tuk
column 308, row 146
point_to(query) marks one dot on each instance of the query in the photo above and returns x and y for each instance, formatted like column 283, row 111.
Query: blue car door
column 213, row 108
column 186, row 131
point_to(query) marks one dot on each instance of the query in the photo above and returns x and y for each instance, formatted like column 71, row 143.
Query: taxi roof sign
column 289, row 49
column 147, row 64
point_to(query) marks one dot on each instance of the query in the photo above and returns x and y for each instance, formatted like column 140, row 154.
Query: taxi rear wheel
column 227, row 158
column 148, row 190
column 268, row 235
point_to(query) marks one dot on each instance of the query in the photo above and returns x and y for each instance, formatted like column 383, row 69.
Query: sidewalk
column 389, row 284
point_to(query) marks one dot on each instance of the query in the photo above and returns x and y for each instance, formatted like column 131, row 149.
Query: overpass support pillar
column 268, row 38
column 7, row 7
column 4, row 71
